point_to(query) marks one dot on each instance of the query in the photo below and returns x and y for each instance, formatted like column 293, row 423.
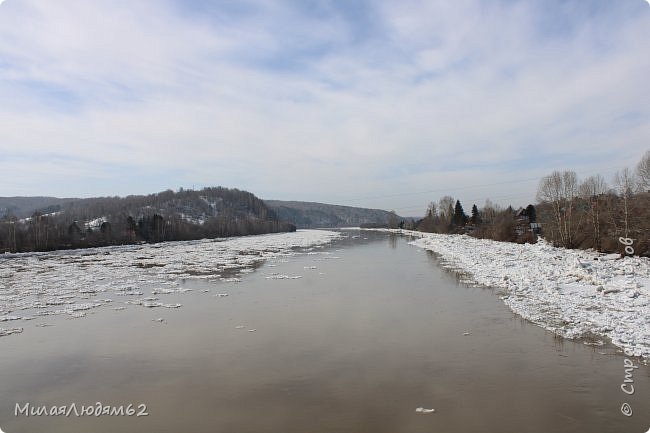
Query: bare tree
column 625, row 181
column 489, row 211
column 643, row 173
column 446, row 209
column 560, row 190
column 592, row 190
column 432, row 211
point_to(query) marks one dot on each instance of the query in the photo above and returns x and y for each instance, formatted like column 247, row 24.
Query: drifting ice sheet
column 73, row 282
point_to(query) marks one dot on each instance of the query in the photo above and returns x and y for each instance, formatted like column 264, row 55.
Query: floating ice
column 423, row 410
column 70, row 282
column 5, row 332
column 231, row 280
column 283, row 277
column 162, row 291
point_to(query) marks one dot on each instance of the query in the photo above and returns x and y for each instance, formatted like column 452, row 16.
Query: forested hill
column 314, row 215
column 23, row 207
column 166, row 216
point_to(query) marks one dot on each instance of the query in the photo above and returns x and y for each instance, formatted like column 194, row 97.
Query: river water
column 372, row 330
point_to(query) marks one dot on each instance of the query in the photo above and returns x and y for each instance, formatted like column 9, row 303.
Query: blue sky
column 387, row 104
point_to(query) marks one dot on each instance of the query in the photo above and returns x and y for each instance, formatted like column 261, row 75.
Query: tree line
column 490, row 222
column 593, row 214
column 570, row 213
column 166, row 216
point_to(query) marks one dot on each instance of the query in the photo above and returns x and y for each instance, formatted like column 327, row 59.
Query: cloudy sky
column 386, row 104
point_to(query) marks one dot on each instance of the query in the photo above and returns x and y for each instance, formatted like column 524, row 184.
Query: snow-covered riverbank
column 69, row 283
column 574, row 293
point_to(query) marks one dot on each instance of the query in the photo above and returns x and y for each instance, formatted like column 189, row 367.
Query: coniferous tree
column 476, row 216
column 531, row 213
column 459, row 218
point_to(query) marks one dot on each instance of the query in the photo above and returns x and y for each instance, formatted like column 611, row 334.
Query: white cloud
column 294, row 105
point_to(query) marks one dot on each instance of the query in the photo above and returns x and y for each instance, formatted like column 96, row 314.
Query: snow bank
column 70, row 283
column 573, row 293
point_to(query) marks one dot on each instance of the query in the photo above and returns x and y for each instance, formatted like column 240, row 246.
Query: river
column 353, row 337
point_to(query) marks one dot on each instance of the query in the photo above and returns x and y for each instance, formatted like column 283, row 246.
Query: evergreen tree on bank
column 476, row 216
column 459, row 219
column 531, row 213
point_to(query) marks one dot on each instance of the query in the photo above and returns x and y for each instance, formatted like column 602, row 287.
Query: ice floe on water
column 277, row 276
column 72, row 283
column 423, row 410
column 573, row 293
column 10, row 331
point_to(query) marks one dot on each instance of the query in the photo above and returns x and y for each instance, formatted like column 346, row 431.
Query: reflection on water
column 392, row 240
column 369, row 333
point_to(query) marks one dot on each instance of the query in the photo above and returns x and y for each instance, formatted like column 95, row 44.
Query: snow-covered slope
column 574, row 293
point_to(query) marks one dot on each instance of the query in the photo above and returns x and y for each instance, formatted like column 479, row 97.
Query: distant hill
column 47, row 223
column 25, row 206
column 313, row 215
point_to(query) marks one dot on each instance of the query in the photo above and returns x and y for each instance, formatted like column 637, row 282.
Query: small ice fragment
column 239, row 327
column 221, row 295
column 252, row 330
column 423, row 410
column 466, row 333
column 276, row 276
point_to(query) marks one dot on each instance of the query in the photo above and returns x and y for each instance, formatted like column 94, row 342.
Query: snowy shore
column 573, row 293
column 70, row 283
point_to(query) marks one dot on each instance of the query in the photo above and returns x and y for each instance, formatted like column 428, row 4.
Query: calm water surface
column 355, row 345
